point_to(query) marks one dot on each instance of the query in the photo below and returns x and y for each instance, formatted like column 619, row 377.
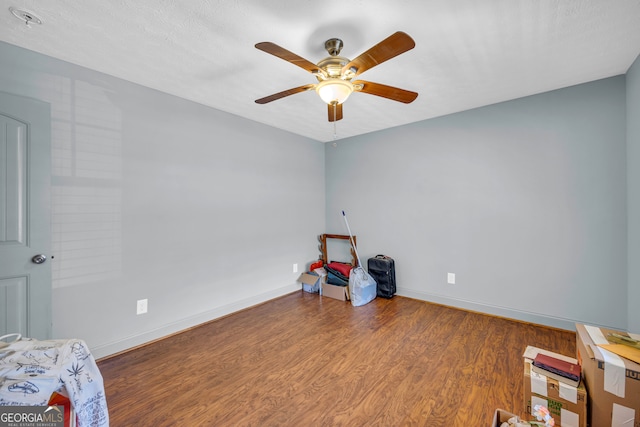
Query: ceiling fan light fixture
column 334, row 90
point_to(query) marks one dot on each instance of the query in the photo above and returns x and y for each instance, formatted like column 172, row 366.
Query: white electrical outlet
column 451, row 278
column 295, row 268
column 141, row 307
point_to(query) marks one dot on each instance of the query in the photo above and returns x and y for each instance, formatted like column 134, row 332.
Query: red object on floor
column 60, row 400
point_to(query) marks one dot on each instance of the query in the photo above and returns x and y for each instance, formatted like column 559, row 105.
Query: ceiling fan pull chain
column 335, row 111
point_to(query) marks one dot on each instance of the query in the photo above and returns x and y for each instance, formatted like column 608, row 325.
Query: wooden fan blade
column 335, row 112
column 388, row 48
column 288, row 56
column 284, row 93
column 389, row 92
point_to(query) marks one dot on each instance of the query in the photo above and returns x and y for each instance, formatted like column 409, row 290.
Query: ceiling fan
column 335, row 73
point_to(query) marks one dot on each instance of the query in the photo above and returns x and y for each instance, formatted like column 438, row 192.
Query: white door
column 25, row 220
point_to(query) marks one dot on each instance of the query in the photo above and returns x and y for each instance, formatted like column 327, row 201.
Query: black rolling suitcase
column 383, row 269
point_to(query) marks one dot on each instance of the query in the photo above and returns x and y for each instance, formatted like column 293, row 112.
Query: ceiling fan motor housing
column 332, row 65
column 333, row 46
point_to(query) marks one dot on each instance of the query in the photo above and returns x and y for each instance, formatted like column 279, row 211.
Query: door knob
column 39, row 259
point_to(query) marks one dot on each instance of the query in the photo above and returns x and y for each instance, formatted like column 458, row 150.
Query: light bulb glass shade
column 334, row 90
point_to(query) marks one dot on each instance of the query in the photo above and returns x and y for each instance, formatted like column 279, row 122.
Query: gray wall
column 199, row 211
column 525, row 201
column 633, row 193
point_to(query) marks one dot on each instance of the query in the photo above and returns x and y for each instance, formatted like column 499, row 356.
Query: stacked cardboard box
column 566, row 403
column 613, row 381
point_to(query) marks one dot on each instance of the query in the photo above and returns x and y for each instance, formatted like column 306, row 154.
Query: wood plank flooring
column 303, row 360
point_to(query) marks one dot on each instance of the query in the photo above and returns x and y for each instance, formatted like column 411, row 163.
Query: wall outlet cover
column 451, row 278
column 142, row 306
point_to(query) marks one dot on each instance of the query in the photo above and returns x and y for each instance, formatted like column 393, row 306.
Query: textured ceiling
column 468, row 53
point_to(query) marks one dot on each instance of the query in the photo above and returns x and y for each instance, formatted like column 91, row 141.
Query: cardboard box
column 333, row 291
column 613, row 381
column 501, row 416
column 310, row 282
column 566, row 403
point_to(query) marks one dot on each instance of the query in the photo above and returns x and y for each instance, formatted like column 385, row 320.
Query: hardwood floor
column 302, row 360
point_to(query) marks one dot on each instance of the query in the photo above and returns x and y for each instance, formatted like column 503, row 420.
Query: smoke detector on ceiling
column 27, row 17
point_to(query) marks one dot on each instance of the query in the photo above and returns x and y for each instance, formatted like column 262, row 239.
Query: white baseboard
column 132, row 341
column 510, row 313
